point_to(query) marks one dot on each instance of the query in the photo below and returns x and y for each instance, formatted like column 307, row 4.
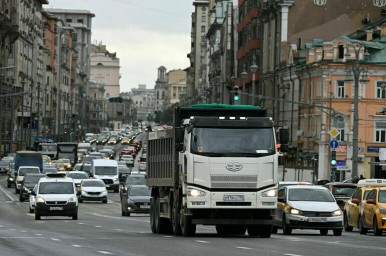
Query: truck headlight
column 269, row 193
column 39, row 200
column 337, row 213
column 196, row 193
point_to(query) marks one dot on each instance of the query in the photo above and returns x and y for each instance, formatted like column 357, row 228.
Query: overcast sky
column 146, row 34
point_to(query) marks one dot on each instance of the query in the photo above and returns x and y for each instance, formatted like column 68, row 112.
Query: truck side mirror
column 179, row 134
column 283, row 136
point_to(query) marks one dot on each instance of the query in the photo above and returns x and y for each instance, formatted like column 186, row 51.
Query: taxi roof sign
column 372, row 183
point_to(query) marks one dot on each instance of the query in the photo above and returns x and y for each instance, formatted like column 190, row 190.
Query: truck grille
column 228, row 181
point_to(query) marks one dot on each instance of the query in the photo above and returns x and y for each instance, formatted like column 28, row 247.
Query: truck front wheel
column 152, row 215
column 187, row 228
column 175, row 216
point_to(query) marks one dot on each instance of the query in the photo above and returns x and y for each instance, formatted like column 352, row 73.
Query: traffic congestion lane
column 100, row 228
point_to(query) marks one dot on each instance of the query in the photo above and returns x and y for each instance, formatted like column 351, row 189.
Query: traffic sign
column 334, row 144
column 334, row 132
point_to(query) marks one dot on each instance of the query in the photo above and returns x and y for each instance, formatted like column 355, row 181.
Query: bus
column 68, row 150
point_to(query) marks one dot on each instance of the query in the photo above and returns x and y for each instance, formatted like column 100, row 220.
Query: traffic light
column 333, row 158
column 236, row 96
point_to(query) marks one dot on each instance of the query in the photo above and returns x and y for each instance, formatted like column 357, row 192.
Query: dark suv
column 11, row 178
column 341, row 191
column 28, row 184
column 132, row 179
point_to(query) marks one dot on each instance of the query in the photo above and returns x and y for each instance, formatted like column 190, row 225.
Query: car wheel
column 80, row 200
column 362, row 229
column 37, row 216
column 104, row 201
column 128, row 214
column 286, row 230
column 323, row 232
column 21, row 198
column 31, row 210
column 377, row 231
column 8, row 185
column 345, row 223
column 75, row 216
column 337, row 232
column 274, row 230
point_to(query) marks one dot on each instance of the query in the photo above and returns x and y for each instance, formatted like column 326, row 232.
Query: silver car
column 307, row 207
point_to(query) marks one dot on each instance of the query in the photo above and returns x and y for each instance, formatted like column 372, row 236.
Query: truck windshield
column 232, row 141
column 106, row 170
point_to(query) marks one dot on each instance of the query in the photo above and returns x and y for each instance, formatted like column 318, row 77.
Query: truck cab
column 106, row 170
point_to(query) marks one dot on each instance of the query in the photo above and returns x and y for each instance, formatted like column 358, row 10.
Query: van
column 106, row 170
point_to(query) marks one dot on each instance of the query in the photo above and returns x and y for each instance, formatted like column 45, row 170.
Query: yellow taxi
column 374, row 211
column 125, row 141
column 352, row 210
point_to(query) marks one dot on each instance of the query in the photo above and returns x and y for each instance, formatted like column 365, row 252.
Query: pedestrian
column 361, row 177
column 355, row 179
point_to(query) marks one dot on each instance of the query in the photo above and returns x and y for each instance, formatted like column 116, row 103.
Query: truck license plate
column 56, row 208
column 233, row 198
column 317, row 219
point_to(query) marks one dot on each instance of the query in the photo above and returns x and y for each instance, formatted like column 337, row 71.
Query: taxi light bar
column 56, row 174
column 372, row 183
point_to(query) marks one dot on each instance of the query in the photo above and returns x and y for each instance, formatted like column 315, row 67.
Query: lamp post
column 243, row 76
column 253, row 69
column 357, row 70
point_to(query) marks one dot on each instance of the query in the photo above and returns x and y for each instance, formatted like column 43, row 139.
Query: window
column 69, row 20
column 339, row 124
column 203, row 18
column 380, row 131
column 340, row 87
column 203, row 29
column 80, row 21
column 381, row 93
column 340, row 51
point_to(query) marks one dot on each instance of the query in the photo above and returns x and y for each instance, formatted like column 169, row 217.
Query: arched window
column 339, row 124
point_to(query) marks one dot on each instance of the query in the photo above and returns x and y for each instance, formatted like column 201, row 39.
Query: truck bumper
column 232, row 217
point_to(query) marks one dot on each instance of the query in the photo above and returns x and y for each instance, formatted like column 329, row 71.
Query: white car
column 129, row 159
column 307, row 207
column 32, row 201
column 55, row 195
column 78, row 177
column 92, row 190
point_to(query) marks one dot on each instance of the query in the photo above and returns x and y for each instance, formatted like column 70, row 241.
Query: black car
column 132, row 179
column 28, row 184
column 102, row 140
column 136, row 199
column 11, row 179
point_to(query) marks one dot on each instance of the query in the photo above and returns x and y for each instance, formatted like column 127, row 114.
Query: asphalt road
column 101, row 230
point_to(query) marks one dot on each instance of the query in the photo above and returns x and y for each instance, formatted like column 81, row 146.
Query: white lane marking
column 80, row 223
column 117, row 229
column 119, row 218
column 8, row 195
column 104, row 252
column 55, row 239
column 23, row 231
column 98, row 226
column 167, row 236
column 1, row 226
column 38, row 234
column 244, row 248
column 76, row 245
column 290, row 254
column 201, row 241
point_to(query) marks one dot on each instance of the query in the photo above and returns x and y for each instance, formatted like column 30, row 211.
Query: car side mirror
column 281, row 199
column 78, row 192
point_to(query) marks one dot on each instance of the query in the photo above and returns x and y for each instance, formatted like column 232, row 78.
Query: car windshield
column 93, row 183
column 382, row 196
column 106, row 170
column 23, row 171
column 308, row 194
column 139, row 191
column 343, row 190
column 77, row 175
column 221, row 142
column 135, row 180
column 56, row 188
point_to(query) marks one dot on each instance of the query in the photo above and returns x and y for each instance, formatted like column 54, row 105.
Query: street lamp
column 243, row 76
column 253, row 69
column 357, row 70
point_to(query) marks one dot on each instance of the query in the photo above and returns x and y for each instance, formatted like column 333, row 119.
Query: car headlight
column 295, row 211
column 269, row 193
column 382, row 210
column 337, row 213
column 104, row 193
column 196, row 193
column 10, row 179
column 39, row 200
column 72, row 199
